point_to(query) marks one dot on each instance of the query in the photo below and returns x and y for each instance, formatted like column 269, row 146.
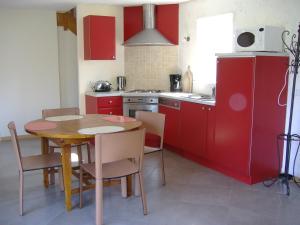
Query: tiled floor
column 194, row 195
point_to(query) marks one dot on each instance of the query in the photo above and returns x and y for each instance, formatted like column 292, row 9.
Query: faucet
column 213, row 92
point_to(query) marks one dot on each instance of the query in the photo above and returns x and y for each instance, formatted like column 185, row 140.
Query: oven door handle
column 138, row 103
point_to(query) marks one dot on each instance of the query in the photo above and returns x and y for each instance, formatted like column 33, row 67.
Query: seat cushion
column 114, row 169
column 152, row 140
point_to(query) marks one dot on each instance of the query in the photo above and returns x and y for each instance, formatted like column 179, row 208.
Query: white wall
column 246, row 14
column 29, row 78
column 68, row 69
column 93, row 70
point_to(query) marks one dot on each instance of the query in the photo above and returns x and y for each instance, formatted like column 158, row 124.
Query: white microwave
column 260, row 39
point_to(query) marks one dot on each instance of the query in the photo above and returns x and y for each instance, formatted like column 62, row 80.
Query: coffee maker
column 121, row 83
column 175, row 83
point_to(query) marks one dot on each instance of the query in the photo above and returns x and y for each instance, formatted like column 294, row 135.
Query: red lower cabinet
column 172, row 127
column 193, row 129
column 112, row 105
column 189, row 130
column 111, row 111
column 210, row 134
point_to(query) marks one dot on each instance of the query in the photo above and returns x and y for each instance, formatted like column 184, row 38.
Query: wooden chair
column 117, row 155
column 35, row 162
column 155, row 125
column 63, row 112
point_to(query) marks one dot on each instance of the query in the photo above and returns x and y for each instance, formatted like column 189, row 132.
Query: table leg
column 44, row 149
column 67, row 172
column 129, row 185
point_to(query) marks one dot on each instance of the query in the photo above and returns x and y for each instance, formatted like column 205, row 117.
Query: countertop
column 250, row 54
column 105, row 94
column 181, row 96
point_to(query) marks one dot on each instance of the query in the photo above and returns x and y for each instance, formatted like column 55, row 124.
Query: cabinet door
column 210, row 133
column 133, row 21
column 193, row 129
column 234, row 105
column 109, row 102
column 111, row 111
column 99, row 38
column 167, row 20
column 172, row 126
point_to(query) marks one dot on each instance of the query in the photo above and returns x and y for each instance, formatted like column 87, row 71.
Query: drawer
column 111, row 111
column 109, row 102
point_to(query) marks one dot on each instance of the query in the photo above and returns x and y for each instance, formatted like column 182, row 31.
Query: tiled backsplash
column 148, row 67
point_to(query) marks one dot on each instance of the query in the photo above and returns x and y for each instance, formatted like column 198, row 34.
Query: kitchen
column 179, row 59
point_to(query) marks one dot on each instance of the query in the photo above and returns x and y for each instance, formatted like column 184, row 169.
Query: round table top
column 69, row 129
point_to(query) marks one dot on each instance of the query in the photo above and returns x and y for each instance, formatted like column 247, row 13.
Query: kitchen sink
column 201, row 97
column 177, row 94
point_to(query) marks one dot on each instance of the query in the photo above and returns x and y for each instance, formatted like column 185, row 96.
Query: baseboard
column 20, row 137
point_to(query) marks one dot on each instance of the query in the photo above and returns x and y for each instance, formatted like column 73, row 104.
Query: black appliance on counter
column 175, row 83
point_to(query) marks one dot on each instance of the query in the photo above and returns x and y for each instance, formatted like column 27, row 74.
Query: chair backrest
column 60, row 112
column 153, row 122
column 118, row 146
column 15, row 142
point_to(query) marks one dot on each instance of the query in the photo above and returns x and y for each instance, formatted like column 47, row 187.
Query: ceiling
column 61, row 5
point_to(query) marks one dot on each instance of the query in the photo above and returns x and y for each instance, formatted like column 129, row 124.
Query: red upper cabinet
column 99, row 37
column 166, row 21
column 133, row 21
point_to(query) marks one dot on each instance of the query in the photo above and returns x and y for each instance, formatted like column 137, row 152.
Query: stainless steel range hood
column 148, row 36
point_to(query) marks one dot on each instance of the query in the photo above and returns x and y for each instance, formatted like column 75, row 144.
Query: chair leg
column 137, row 191
column 80, row 186
column 143, row 194
column 163, row 168
column 124, row 187
column 21, row 187
column 99, row 201
column 61, row 179
column 51, row 170
column 79, row 153
column 88, row 153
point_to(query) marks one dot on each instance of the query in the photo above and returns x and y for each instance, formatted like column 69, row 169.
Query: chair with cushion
column 35, row 162
column 117, row 155
column 64, row 112
column 155, row 125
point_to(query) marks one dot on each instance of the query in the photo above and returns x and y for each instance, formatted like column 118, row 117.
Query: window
column 214, row 35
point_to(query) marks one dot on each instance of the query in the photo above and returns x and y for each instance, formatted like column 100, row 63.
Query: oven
column 139, row 103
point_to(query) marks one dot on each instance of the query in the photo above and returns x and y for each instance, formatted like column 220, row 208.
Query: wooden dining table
column 67, row 132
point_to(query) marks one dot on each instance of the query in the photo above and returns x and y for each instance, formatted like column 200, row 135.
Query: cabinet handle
column 203, row 108
column 114, row 57
column 110, row 101
column 209, row 109
column 110, row 113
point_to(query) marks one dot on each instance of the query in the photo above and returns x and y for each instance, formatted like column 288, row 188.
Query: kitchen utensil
column 121, row 83
column 187, row 81
column 101, row 86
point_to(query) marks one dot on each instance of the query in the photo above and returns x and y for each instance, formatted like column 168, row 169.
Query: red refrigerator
column 248, row 116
